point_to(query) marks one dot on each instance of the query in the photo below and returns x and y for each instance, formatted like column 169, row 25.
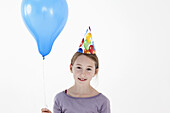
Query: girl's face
column 83, row 69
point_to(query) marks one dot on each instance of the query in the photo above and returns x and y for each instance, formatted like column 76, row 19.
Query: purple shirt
column 64, row 103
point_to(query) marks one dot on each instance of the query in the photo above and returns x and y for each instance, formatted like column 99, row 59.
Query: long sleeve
column 105, row 107
column 56, row 107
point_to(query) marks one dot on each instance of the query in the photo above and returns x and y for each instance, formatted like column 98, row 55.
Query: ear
column 71, row 68
column 96, row 72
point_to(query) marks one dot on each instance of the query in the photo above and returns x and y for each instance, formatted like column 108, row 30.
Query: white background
column 132, row 40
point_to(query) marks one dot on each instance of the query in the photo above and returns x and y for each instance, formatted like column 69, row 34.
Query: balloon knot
column 89, row 28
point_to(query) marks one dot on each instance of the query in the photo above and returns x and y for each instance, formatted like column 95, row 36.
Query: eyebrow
column 81, row 65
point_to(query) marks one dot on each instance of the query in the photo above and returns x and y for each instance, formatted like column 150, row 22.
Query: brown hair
column 91, row 56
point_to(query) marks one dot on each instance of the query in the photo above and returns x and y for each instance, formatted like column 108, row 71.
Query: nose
column 83, row 73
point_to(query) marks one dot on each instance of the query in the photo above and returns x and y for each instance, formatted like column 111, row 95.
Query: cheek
column 91, row 73
column 75, row 71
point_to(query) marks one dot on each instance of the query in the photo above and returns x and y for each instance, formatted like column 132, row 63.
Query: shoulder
column 104, row 104
column 59, row 96
column 102, row 99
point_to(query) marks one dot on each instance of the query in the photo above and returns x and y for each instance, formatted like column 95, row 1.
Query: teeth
column 82, row 79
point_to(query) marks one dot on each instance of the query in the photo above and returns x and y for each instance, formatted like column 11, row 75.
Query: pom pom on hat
column 87, row 43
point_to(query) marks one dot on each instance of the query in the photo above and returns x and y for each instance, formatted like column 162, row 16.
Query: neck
column 82, row 90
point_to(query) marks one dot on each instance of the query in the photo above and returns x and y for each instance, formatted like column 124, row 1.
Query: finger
column 44, row 110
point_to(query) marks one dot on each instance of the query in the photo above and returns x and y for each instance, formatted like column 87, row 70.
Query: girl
column 82, row 97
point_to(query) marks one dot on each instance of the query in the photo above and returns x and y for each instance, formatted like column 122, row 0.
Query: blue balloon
column 45, row 19
column 80, row 50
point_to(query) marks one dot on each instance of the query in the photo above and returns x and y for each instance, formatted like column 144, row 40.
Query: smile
column 82, row 79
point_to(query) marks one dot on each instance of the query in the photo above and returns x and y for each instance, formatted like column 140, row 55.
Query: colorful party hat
column 87, row 43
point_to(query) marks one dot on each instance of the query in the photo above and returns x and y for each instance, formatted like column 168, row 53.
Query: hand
column 45, row 110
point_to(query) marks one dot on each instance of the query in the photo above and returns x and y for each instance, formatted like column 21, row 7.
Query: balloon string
column 44, row 84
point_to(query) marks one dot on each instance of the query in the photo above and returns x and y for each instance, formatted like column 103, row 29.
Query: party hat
column 87, row 43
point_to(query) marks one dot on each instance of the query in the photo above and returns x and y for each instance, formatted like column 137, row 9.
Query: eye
column 78, row 67
column 89, row 69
